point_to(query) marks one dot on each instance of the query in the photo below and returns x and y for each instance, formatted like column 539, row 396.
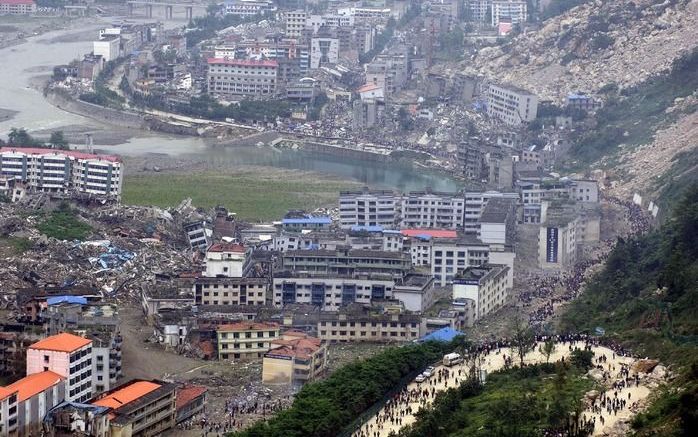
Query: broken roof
column 127, row 394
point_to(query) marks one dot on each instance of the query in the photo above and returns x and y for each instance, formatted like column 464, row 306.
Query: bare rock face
column 645, row 366
column 597, row 43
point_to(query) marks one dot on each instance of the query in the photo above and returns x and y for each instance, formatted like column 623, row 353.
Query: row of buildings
column 24, row 169
column 57, row 397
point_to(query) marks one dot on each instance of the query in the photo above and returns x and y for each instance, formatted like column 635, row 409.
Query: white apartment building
column 475, row 203
column 509, row 10
column 369, row 208
column 225, row 260
column 451, row 256
column 107, row 47
column 8, row 411
column 222, row 52
column 432, row 210
column 58, row 171
column 510, row 104
column 17, row 7
column 241, row 77
column 68, row 355
column 323, row 51
column 477, row 10
column 487, row 286
column 295, row 23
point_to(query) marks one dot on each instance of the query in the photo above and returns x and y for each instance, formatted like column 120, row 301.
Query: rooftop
column 68, row 153
column 127, row 394
column 33, row 384
column 16, row 2
column 226, row 247
column 5, row 392
column 247, row 326
column 241, row 62
column 187, row 394
column 497, row 210
column 63, row 342
column 431, row 233
column 298, row 348
column 478, row 273
column 309, row 220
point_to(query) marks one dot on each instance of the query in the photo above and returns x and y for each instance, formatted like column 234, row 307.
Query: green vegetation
column 21, row 138
column 15, row 245
column 328, row 407
column 683, row 173
column 514, row 402
column 103, row 95
column 646, row 298
column 634, row 116
column 64, row 224
column 254, row 195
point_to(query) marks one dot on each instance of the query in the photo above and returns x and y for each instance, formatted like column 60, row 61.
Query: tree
column 20, row 137
column 548, row 349
column 58, row 141
column 522, row 338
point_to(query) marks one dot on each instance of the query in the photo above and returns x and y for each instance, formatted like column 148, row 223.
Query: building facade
column 17, row 7
column 511, row 105
column 245, row 340
column 60, row 171
column 486, row 285
column 242, row 77
column 230, row 291
column 295, row 359
column 341, row 327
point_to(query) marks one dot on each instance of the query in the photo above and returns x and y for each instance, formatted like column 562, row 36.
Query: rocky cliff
column 595, row 44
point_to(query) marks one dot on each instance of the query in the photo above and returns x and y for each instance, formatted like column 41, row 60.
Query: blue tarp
column 443, row 335
column 357, row 228
column 55, row 300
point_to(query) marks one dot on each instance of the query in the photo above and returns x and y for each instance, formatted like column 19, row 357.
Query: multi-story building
column 346, row 261
column 140, row 408
column 70, row 418
column 60, row 171
column 36, row 394
column 199, row 234
column 191, row 401
column 427, row 209
column 295, row 23
column 17, row 7
column 486, row 285
column 475, row 204
column 245, row 340
column 8, row 412
column 295, row 358
column 331, row 292
column 341, row 327
column 230, row 291
column 69, row 356
column 107, row 46
column 225, row 260
column 323, row 51
column 306, row 223
column 388, row 71
column 477, row 10
column 510, row 104
column 513, row 11
column 369, row 208
column 450, row 256
column 497, row 222
column 242, row 77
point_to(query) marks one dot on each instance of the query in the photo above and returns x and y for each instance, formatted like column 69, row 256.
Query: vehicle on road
column 452, row 359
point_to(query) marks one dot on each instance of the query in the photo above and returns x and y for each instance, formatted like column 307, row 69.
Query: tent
column 444, row 335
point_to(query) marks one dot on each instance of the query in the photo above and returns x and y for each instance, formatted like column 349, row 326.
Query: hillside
column 645, row 297
column 593, row 45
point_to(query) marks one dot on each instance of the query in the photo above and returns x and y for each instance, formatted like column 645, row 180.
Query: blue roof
column 55, row 300
column 321, row 220
column 576, row 96
column 443, row 335
column 358, row 228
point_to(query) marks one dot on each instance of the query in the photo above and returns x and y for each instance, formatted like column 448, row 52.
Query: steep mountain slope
column 594, row 45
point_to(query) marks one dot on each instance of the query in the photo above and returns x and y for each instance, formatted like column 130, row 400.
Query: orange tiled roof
column 226, row 247
column 187, row 394
column 247, row 326
column 5, row 392
column 128, row 394
column 63, row 342
column 33, row 384
column 299, row 348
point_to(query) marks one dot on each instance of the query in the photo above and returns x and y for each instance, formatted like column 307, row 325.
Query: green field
column 254, row 195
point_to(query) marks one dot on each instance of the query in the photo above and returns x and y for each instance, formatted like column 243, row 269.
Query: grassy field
column 254, row 195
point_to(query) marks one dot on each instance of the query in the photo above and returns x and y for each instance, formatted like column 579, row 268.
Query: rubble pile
column 595, row 44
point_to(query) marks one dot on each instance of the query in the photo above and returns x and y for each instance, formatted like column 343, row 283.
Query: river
column 39, row 54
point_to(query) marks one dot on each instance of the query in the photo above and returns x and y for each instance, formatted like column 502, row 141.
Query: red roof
column 433, row 233
column 16, row 2
column 61, row 343
column 247, row 326
column 242, row 62
column 71, row 153
column 367, row 87
column 34, row 384
column 5, row 393
column 187, row 394
column 226, row 247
